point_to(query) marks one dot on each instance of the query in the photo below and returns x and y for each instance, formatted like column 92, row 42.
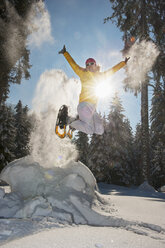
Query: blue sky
column 79, row 25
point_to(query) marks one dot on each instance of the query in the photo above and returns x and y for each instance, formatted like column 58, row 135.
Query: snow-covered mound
column 47, row 198
column 64, row 195
column 30, row 179
column 55, row 192
column 146, row 187
column 68, row 194
column 162, row 189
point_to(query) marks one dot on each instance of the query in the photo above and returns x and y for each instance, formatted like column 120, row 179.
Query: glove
column 63, row 50
column 126, row 59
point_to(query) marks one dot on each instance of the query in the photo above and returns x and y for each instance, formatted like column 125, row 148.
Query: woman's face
column 91, row 67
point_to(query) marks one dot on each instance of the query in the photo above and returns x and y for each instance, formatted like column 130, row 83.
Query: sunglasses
column 91, row 63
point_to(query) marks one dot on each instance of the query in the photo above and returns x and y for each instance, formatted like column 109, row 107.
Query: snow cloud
column 142, row 57
column 39, row 25
column 36, row 25
column 53, row 90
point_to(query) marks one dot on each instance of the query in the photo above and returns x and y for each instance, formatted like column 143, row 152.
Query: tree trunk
column 145, row 131
column 144, row 105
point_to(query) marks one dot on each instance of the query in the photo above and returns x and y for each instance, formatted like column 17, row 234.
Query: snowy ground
column 118, row 217
column 130, row 204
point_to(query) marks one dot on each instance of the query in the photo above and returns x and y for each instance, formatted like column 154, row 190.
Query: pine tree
column 7, row 135
column 137, row 147
column 23, row 129
column 14, row 54
column 158, row 30
column 82, row 144
column 98, row 157
column 158, row 165
column 117, row 140
column 143, row 20
column 28, row 124
column 130, row 151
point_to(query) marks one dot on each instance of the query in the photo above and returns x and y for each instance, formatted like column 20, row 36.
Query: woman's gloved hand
column 63, row 50
column 126, row 59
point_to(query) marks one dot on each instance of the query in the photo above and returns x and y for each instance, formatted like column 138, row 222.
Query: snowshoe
column 70, row 133
column 62, row 123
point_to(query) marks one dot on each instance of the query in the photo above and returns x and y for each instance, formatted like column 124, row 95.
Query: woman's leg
column 85, row 123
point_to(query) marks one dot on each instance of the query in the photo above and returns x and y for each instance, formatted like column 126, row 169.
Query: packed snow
column 62, row 207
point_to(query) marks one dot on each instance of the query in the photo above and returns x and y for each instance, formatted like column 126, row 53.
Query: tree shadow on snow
column 111, row 189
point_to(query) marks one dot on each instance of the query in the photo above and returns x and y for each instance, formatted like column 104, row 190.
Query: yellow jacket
column 89, row 79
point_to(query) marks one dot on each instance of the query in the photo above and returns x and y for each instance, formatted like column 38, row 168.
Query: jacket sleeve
column 114, row 69
column 76, row 68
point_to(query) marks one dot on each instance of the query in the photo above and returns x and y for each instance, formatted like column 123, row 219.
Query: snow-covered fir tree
column 117, row 140
column 158, row 165
column 7, row 135
column 82, row 143
column 23, row 129
column 137, row 147
column 144, row 21
column 29, row 122
column 98, row 157
column 128, row 135
column 157, row 170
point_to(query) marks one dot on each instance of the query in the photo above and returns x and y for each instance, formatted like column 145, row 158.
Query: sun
column 103, row 89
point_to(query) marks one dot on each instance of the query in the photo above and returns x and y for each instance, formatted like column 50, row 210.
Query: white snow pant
column 89, row 121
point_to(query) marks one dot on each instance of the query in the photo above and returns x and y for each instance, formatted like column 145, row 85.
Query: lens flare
column 132, row 39
column 103, row 89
